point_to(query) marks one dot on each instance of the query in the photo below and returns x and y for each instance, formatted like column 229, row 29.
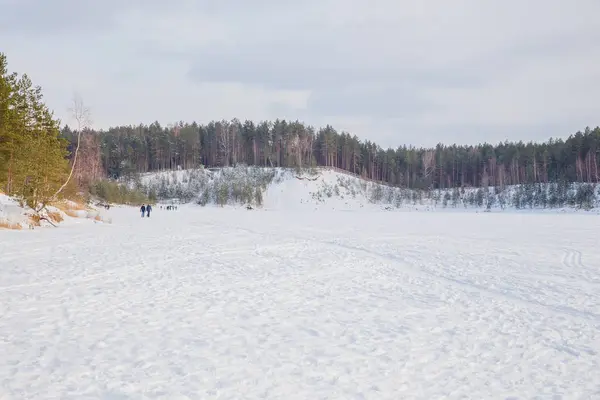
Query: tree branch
column 81, row 114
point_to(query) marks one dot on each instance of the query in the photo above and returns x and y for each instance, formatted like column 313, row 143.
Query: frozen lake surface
column 231, row 304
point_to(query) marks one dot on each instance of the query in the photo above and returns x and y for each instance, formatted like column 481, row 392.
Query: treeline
column 127, row 150
column 33, row 156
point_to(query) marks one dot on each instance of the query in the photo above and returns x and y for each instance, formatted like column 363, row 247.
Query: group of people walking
column 145, row 209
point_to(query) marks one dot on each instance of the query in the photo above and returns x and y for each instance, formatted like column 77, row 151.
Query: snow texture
column 205, row 303
column 11, row 211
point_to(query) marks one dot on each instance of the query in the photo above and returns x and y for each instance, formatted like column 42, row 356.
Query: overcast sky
column 392, row 71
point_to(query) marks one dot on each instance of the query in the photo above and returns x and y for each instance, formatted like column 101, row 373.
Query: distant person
column 143, row 210
column 148, row 209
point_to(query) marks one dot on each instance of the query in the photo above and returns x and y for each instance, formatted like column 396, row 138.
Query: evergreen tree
column 33, row 155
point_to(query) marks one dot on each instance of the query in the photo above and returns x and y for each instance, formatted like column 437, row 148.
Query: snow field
column 223, row 303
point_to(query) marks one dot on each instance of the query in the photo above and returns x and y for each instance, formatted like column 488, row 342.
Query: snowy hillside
column 275, row 188
column 240, row 185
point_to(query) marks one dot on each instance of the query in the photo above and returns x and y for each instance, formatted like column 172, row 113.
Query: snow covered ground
column 11, row 212
column 226, row 303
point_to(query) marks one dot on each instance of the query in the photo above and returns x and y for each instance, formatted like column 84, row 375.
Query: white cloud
column 392, row 71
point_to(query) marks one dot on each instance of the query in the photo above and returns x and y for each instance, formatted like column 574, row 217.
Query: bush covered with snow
column 233, row 185
column 239, row 185
column 184, row 185
column 584, row 196
column 119, row 193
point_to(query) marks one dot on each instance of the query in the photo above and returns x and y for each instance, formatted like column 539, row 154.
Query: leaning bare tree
column 81, row 114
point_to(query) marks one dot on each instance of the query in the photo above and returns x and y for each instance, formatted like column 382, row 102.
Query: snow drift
column 16, row 216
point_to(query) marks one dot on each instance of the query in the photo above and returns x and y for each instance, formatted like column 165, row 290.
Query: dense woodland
column 126, row 150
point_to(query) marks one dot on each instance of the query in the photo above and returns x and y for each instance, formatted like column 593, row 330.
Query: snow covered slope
column 322, row 188
column 210, row 303
column 13, row 216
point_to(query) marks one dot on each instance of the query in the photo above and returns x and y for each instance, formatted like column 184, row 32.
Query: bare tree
column 233, row 133
column 81, row 114
column 485, row 177
column 428, row 159
column 223, row 137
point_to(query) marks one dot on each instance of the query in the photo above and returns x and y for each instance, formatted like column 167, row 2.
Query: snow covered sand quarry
column 227, row 303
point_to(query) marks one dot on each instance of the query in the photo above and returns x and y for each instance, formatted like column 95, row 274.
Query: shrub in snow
column 231, row 185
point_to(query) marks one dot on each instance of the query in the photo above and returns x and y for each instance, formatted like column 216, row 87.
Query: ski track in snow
column 229, row 304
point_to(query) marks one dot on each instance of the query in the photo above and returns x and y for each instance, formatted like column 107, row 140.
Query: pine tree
column 33, row 154
column 10, row 140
